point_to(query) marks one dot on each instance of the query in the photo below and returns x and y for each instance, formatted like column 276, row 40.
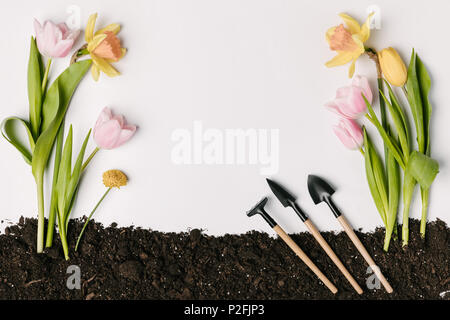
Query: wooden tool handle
column 352, row 235
column 299, row 252
column 312, row 228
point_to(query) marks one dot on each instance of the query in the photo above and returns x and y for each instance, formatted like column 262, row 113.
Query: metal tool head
column 281, row 193
column 257, row 208
column 319, row 189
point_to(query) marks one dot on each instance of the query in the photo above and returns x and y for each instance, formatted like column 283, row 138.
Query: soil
column 133, row 263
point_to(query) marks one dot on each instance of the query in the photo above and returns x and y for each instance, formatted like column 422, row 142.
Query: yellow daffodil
column 104, row 48
column 348, row 41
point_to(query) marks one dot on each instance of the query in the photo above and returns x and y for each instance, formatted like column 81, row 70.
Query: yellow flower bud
column 393, row 67
column 114, row 179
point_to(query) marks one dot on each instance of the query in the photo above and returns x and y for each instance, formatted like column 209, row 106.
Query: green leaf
column 64, row 174
column 10, row 134
column 35, row 88
column 371, row 180
column 75, row 178
column 393, row 173
column 423, row 168
column 400, row 122
column 425, row 84
column 388, row 140
column 54, row 109
column 415, row 101
column 67, row 82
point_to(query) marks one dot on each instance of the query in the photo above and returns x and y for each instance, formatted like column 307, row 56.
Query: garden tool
column 288, row 200
column 259, row 209
column 321, row 191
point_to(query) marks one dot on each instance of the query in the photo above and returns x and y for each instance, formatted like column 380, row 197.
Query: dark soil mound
column 130, row 263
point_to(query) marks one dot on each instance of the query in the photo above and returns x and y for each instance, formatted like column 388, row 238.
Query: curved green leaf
column 10, row 135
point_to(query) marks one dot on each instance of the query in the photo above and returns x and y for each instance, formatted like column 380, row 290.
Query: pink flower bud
column 54, row 40
column 111, row 131
column 350, row 134
column 349, row 102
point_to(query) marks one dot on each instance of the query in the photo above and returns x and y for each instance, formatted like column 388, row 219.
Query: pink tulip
column 54, row 40
column 111, row 131
column 349, row 102
column 350, row 133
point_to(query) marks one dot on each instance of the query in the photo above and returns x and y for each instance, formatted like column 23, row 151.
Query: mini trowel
column 259, row 209
column 321, row 191
column 288, row 200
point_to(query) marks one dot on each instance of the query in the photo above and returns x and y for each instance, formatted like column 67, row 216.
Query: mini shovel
column 259, row 209
column 288, row 200
column 321, row 191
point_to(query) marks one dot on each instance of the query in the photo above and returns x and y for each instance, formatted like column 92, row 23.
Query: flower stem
column 41, row 216
column 79, row 53
column 45, row 79
column 423, row 221
column 362, row 151
column 86, row 163
column 90, row 216
column 62, row 234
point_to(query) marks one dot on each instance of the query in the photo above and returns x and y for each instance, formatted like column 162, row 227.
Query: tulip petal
column 363, row 83
column 344, row 105
column 125, row 135
column 49, row 35
column 351, row 23
column 62, row 48
column 104, row 116
column 333, row 107
column 89, row 33
column 350, row 134
column 343, row 92
column 120, row 119
column 107, row 135
column 64, row 30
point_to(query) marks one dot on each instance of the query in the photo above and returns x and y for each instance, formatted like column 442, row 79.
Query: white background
column 230, row 64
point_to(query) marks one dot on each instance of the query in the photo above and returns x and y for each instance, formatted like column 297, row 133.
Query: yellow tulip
column 348, row 42
column 104, row 48
column 393, row 67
